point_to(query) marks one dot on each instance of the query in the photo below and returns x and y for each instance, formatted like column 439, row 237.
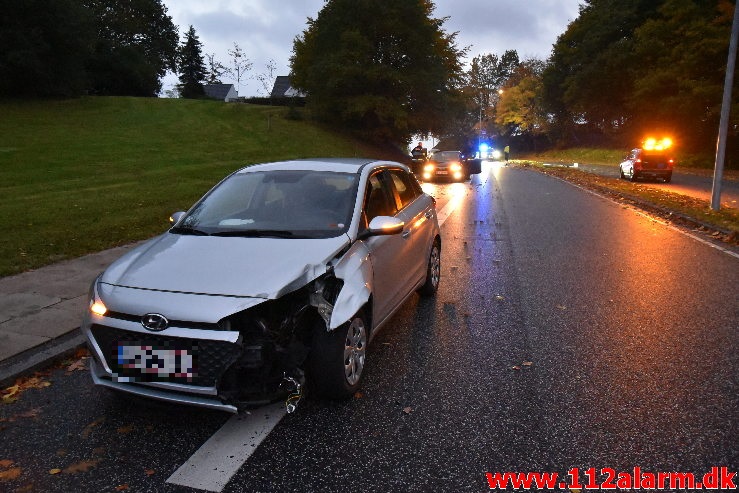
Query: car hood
column 225, row 266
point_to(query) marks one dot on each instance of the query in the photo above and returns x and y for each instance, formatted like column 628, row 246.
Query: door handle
column 406, row 234
column 428, row 214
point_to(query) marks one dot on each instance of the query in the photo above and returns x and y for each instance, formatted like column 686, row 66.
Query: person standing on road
column 419, row 152
column 506, row 153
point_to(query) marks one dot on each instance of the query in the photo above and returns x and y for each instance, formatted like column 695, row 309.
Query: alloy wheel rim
column 355, row 347
column 435, row 266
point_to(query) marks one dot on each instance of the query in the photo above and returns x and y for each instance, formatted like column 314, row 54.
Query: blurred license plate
column 442, row 172
column 151, row 362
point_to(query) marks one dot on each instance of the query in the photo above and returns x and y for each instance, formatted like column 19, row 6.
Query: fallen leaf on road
column 561, row 307
column 407, row 410
column 527, row 363
column 358, row 395
column 82, row 466
column 124, row 430
column 499, row 297
column 88, row 429
column 10, row 474
column 54, row 471
column 149, row 472
column 6, row 463
column 121, row 487
column 11, row 394
column 77, row 366
column 515, row 367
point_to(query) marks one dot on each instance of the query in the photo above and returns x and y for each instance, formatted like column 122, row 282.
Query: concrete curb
column 40, row 356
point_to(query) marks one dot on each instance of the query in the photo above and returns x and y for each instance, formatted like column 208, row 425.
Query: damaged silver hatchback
column 281, row 273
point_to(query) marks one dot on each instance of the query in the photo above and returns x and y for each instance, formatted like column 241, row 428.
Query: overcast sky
column 265, row 29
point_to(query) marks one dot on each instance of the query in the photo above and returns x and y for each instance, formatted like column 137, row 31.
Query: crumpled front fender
column 355, row 269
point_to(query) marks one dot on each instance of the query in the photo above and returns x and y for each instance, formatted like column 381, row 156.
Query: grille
column 211, row 358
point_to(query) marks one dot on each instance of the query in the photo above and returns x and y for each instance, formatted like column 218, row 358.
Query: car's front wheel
column 338, row 357
column 632, row 175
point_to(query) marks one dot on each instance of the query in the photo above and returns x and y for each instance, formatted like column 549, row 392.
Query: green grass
column 79, row 176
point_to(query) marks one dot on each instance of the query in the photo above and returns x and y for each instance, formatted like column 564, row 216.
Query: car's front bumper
column 153, row 391
column 218, row 349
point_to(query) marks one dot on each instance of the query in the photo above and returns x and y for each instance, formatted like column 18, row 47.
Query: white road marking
column 211, row 467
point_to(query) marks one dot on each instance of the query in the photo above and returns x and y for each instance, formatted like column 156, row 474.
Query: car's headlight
column 429, row 167
column 96, row 304
column 455, row 167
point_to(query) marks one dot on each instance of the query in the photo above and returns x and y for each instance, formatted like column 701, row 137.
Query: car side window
column 401, row 183
column 376, row 200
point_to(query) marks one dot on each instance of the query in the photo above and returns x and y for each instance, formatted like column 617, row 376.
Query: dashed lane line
column 211, row 467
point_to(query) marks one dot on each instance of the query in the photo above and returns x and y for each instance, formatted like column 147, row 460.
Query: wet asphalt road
column 630, row 329
column 682, row 183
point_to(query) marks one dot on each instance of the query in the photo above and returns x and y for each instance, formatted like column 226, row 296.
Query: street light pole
column 724, row 122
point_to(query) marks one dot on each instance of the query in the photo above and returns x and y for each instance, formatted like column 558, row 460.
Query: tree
column 192, row 68
column 240, row 65
column 136, row 44
column 386, row 70
column 40, row 56
column 267, row 78
column 685, row 49
column 520, row 110
column 215, row 69
column 485, row 77
column 588, row 79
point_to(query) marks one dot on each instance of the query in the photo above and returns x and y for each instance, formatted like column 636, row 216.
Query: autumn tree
column 520, row 110
column 484, row 80
column 387, row 70
column 191, row 66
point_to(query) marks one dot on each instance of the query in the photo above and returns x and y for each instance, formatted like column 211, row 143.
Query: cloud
column 265, row 30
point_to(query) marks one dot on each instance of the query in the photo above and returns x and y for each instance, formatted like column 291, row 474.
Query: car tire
column 668, row 178
column 338, row 357
column 633, row 175
column 621, row 173
column 433, row 271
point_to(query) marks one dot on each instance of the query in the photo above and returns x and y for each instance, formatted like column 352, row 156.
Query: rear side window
column 403, row 185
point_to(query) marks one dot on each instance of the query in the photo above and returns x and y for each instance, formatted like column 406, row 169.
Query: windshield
column 280, row 204
column 446, row 156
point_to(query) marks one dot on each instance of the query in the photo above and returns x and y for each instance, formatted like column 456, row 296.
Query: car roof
column 342, row 165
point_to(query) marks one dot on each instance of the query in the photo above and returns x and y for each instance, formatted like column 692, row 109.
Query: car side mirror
column 382, row 225
column 175, row 217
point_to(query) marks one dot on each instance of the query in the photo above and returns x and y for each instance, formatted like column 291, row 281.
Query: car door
column 386, row 251
column 416, row 210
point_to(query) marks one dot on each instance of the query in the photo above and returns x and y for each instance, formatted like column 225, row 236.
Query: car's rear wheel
column 433, row 271
column 338, row 357
column 668, row 178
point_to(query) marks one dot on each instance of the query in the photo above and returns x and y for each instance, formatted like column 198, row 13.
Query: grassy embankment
column 80, row 176
column 661, row 201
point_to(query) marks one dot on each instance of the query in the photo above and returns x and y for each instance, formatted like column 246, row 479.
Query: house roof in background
column 217, row 91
